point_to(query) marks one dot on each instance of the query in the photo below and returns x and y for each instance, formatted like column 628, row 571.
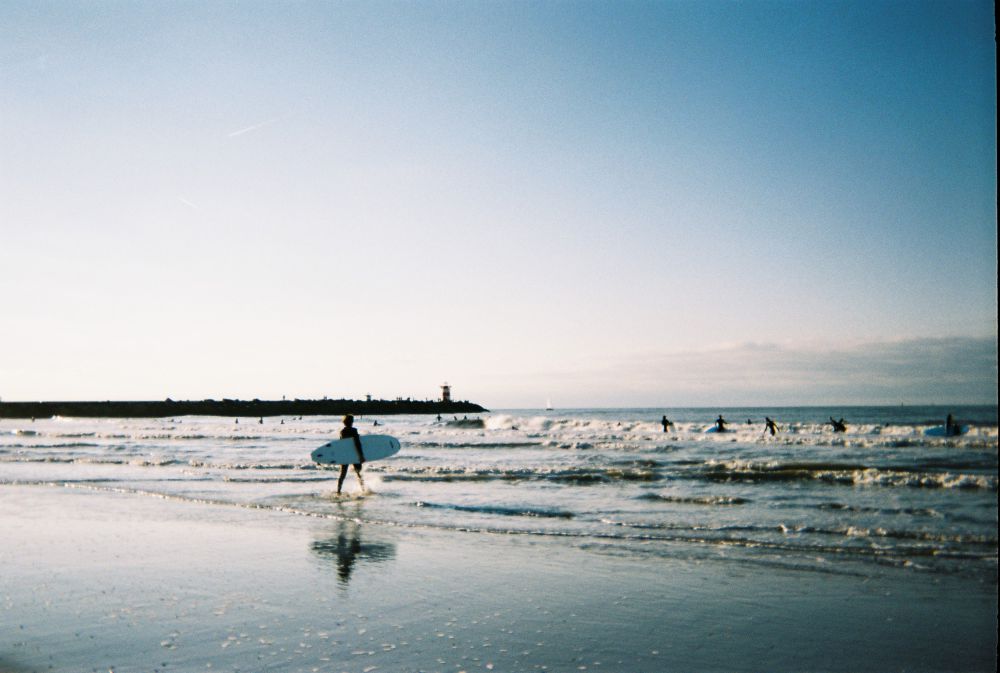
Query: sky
column 587, row 203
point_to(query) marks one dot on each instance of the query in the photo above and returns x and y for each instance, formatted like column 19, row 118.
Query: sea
column 891, row 493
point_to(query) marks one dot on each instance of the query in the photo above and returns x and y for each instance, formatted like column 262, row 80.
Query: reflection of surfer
column 838, row 426
column 347, row 549
column 720, row 424
column 667, row 423
column 350, row 431
column 770, row 426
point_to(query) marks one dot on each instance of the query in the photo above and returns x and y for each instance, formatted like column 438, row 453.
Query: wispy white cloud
column 255, row 127
column 914, row 371
column 189, row 204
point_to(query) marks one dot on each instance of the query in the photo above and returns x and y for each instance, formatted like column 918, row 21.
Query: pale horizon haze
column 617, row 204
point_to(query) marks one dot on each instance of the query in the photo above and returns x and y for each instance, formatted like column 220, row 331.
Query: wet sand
column 96, row 581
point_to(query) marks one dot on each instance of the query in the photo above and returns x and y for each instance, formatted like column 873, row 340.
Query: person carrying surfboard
column 769, row 426
column 720, row 423
column 349, row 431
column 951, row 428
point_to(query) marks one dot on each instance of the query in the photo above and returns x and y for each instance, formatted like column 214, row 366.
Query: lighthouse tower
column 446, row 393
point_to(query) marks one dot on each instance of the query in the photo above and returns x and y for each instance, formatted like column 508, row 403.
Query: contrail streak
column 253, row 128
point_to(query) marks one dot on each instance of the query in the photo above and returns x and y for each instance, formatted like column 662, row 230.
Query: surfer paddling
column 349, row 431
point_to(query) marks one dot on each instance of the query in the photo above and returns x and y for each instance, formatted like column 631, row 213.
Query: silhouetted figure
column 261, row 421
column 667, row 423
column 769, row 426
column 347, row 552
column 951, row 428
column 720, row 424
column 350, row 431
column 375, row 423
column 838, row 426
column 348, row 549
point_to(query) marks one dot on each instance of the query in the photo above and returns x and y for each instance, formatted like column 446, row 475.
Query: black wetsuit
column 349, row 431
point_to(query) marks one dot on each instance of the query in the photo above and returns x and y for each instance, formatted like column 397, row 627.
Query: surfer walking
column 667, row 423
column 769, row 426
column 349, row 431
column 720, row 423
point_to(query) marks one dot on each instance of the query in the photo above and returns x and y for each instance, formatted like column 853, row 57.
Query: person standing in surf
column 349, row 431
column 769, row 426
column 951, row 428
column 720, row 424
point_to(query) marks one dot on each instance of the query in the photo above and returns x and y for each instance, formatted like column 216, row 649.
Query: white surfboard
column 343, row 451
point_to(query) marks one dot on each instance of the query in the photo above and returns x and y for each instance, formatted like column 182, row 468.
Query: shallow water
column 884, row 493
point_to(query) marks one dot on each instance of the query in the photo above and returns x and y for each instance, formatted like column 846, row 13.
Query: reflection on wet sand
column 346, row 548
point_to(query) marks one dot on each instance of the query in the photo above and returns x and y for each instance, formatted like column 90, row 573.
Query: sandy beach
column 97, row 581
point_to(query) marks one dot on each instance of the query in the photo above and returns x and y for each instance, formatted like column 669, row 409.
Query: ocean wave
column 695, row 500
column 941, row 551
column 465, row 445
column 579, row 475
column 861, row 509
column 194, row 462
column 276, row 480
column 850, row 540
column 60, row 445
column 496, row 509
column 841, row 473
column 847, row 531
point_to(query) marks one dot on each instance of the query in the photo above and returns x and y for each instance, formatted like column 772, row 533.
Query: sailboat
column 548, row 404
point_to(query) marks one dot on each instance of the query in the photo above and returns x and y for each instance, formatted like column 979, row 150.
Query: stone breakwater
column 227, row 407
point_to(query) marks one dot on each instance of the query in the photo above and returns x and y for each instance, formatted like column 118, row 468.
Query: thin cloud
column 913, row 371
column 189, row 204
column 255, row 127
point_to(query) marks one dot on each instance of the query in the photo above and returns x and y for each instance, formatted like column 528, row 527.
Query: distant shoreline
column 227, row 407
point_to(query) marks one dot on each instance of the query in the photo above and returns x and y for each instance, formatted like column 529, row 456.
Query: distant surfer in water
column 667, row 423
column 769, row 426
column 720, row 424
column 951, row 428
column 838, row 426
column 350, row 431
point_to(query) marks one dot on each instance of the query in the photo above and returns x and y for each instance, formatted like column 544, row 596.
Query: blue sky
column 598, row 203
